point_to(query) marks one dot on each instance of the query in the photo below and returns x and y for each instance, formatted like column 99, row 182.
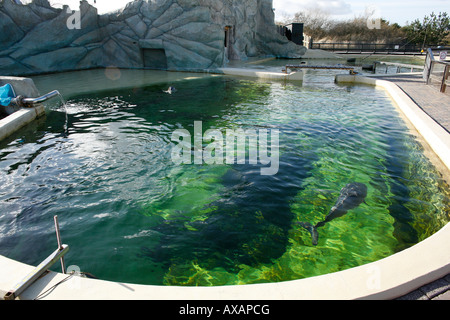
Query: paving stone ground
column 437, row 290
column 427, row 97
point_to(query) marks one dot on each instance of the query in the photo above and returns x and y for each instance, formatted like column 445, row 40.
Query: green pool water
column 130, row 214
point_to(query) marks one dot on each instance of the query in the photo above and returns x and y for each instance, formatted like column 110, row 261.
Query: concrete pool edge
column 23, row 116
column 19, row 119
column 388, row 278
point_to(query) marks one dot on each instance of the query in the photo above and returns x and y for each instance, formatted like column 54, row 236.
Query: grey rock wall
column 188, row 34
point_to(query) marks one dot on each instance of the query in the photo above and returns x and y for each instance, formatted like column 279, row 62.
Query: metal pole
column 444, row 78
column 60, row 246
column 36, row 273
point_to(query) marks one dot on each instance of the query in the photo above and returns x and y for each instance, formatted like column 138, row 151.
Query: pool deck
column 437, row 290
column 427, row 97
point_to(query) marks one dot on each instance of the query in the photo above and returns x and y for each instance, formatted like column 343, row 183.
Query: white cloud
column 103, row 6
column 332, row 7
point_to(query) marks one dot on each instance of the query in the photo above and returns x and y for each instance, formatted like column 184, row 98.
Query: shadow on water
column 239, row 217
column 396, row 186
column 249, row 224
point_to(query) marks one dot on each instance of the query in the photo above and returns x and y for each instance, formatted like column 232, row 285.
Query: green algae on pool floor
column 130, row 214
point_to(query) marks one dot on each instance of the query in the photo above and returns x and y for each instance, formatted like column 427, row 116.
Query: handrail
column 41, row 268
column 430, row 64
column 359, row 46
column 36, row 273
column 304, row 66
column 291, row 66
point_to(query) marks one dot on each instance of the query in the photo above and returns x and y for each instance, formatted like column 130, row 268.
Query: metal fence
column 436, row 72
column 390, row 48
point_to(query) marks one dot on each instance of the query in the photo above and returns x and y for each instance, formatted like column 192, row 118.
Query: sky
column 399, row 11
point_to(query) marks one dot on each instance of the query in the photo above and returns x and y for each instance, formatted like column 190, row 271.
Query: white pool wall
column 19, row 117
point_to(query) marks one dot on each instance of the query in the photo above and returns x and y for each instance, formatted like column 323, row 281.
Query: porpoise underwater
column 351, row 196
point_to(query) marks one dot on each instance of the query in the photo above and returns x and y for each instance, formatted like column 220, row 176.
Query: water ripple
column 112, row 181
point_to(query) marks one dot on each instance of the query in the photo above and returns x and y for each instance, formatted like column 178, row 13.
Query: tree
column 322, row 28
column 316, row 21
column 432, row 30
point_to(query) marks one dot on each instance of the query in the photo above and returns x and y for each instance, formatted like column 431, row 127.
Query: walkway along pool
column 131, row 215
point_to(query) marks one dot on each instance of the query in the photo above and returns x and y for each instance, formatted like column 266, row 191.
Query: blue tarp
column 6, row 95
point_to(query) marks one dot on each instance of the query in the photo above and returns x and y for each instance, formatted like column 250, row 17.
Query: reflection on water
column 129, row 214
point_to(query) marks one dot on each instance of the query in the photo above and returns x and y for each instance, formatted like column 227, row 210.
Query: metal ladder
column 41, row 268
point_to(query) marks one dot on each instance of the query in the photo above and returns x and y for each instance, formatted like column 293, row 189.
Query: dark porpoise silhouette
column 352, row 195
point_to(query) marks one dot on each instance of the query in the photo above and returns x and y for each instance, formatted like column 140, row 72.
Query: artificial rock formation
column 165, row 34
